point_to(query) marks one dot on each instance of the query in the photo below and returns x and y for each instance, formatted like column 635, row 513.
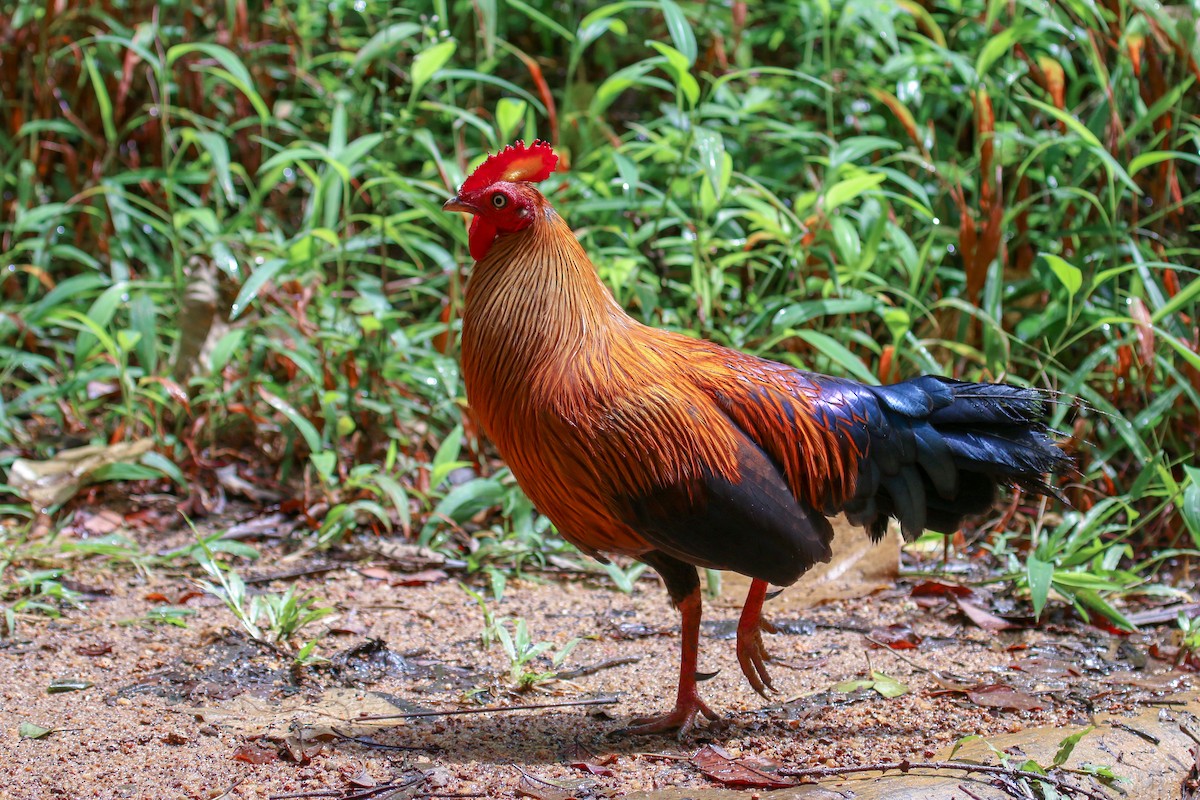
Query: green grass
column 220, row 229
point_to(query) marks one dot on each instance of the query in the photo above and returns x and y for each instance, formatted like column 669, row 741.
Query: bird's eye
column 499, row 200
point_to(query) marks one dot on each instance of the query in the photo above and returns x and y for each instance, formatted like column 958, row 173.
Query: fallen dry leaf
column 1006, row 698
column 95, row 649
column 896, row 637
column 940, row 589
column 592, row 769
column 420, row 578
column 1046, row 667
column 717, row 765
column 984, row 619
column 56, row 480
column 255, row 754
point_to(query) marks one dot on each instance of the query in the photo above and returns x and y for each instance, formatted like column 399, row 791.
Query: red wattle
column 480, row 239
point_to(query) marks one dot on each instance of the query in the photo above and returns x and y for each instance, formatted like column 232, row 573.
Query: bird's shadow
column 537, row 738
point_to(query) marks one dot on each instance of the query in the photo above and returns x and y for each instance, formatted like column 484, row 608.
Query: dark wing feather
column 752, row 525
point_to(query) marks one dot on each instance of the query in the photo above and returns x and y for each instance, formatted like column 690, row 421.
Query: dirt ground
column 203, row 712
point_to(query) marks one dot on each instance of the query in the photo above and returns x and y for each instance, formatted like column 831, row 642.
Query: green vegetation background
column 220, row 228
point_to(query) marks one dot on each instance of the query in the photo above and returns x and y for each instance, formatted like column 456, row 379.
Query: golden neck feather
column 532, row 306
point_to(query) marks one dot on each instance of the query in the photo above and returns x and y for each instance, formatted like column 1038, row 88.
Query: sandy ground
column 182, row 712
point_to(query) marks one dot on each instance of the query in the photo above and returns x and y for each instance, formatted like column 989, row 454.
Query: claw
column 682, row 718
column 752, row 654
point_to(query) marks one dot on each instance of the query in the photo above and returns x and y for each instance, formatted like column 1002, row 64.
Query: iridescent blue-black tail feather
column 934, row 451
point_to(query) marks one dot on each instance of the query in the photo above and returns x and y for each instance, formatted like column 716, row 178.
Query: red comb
column 514, row 163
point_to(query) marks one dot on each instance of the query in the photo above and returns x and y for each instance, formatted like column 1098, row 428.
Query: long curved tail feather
column 933, row 451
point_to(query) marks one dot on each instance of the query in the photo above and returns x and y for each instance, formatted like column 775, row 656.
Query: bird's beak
column 454, row 204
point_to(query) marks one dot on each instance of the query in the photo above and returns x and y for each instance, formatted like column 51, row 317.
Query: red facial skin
column 502, row 207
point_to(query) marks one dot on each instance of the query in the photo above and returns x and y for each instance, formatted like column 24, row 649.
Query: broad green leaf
column 800, row 313
column 1067, row 745
column 103, row 101
column 398, row 496
column 1189, row 508
column 429, row 61
column 250, row 289
column 510, row 113
column 617, row 83
column 234, row 71
column 845, row 191
column 27, row 730
column 837, row 352
column 999, row 44
column 1039, row 574
column 228, row 344
column 1068, row 275
column 307, row 430
column 218, row 150
column 157, row 461
column 680, row 30
column 385, row 42
column 445, row 460
column 710, row 146
column 678, row 67
column 468, row 499
column 324, row 461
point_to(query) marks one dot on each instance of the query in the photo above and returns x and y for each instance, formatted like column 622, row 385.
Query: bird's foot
column 752, row 654
column 682, row 718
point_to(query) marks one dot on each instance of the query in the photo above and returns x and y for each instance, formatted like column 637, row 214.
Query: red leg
column 687, row 700
column 750, row 651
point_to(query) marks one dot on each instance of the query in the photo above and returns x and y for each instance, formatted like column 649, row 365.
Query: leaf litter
column 219, row 700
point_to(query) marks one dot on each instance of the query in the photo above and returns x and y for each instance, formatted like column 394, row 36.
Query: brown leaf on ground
column 940, row 589
column 255, row 754
column 896, row 637
column 1046, row 667
column 106, row 521
column 407, row 556
column 376, row 573
column 1006, row 698
column 592, row 769
column 420, row 578
column 984, row 619
column 56, row 480
column 362, row 779
column 717, row 765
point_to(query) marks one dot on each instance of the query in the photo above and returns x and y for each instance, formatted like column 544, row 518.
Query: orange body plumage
column 683, row 453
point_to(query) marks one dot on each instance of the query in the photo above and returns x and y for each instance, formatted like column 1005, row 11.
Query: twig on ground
column 363, row 794
column 232, row 786
column 377, row 745
column 1140, row 734
column 293, row 573
column 592, row 669
column 900, row 656
column 907, row 766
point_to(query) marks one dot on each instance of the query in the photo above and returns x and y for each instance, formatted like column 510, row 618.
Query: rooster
column 682, row 453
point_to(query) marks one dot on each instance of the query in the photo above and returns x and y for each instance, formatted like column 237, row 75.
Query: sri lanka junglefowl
column 684, row 454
